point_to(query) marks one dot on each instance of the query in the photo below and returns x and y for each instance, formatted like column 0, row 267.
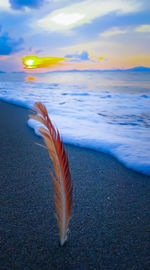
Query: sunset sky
column 89, row 34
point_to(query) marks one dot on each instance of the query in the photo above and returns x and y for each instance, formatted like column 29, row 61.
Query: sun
column 30, row 62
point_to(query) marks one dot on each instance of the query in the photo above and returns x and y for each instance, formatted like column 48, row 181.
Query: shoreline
column 102, row 151
column 110, row 218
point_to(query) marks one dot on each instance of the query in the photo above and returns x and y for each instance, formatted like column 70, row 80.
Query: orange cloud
column 31, row 62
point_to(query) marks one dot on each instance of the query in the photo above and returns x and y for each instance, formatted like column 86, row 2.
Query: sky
column 47, row 35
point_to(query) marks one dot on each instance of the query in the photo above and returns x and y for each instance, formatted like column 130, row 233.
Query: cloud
column 85, row 12
column 143, row 28
column 82, row 56
column 8, row 45
column 113, row 32
column 20, row 4
column 4, row 5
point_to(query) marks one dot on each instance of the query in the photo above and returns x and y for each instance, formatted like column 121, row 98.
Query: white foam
column 109, row 121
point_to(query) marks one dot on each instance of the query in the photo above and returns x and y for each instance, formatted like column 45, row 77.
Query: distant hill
column 105, row 70
column 139, row 69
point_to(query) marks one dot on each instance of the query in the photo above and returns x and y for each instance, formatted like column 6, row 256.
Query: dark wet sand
column 110, row 226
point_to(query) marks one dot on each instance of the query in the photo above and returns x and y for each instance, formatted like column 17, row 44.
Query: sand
column 110, row 226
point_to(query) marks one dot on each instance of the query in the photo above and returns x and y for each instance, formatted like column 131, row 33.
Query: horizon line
column 136, row 68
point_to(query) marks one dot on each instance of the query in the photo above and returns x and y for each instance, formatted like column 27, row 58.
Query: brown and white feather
column 62, row 179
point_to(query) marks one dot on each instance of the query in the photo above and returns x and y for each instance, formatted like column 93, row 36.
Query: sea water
column 105, row 111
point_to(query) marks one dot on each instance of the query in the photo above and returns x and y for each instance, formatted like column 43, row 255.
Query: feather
column 62, row 179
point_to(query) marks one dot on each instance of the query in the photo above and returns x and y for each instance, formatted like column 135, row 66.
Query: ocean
column 104, row 111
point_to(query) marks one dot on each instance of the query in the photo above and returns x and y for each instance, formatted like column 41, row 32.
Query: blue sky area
column 92, row 34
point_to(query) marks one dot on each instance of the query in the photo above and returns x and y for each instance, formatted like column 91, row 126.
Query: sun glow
column 31, row 62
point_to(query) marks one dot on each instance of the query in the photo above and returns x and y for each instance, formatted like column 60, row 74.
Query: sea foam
column 114, row 122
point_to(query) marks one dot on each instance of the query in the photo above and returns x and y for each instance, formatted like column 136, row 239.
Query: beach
column 110, row 225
